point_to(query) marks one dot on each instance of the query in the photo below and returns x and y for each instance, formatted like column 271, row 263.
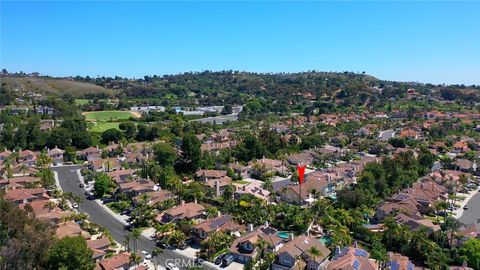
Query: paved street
column 69, row 181
column 386, row 134
column 472, row 215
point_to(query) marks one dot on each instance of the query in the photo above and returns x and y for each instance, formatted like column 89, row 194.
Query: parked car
column 227, row 260
column 171, row 266
column 465, row 207
column 74, row 205
column 147, row 255
column 219, row 259
column 182, row 246
column 161, row 244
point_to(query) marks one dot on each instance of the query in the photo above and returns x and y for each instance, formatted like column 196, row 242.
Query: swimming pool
column 284, row 235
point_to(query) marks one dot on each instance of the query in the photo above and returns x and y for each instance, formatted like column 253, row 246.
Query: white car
column 74, row 205
column 147, row 255
column 171, row 266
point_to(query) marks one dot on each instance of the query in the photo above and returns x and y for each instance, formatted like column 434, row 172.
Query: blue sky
column 436, row 42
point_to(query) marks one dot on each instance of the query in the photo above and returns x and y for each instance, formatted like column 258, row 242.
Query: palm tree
column 314, row 252
column 134, row 259
column 24, row 168
column 261, row 246
column 463, row 179
column 135, row 234
column 50, row 205
column 126, row 242
column 156, row 251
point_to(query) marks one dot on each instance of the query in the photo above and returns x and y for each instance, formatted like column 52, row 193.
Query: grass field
column 102, row 126
column 108, row 115
column 81, row 101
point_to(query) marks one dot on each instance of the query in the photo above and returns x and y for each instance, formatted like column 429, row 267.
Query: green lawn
column 102, row 126
column 241, row 182
column 108, row 115
column 81, row 101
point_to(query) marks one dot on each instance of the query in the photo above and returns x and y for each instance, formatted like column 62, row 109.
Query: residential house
column 218, row 185
column 464, row 233
column 316, row 184
column 56, row 154
column 204, row 175
column 120, row 176
column 100, row 248
column 299, row 247
column 416, row 222
column 305, row 158
column 189, row 211
column 71, row 229
column 154, row 197
column 409, row 134
column 271, row 165
column 47, row 124
column 22, row 169
column 465, row 165
column 460, row 147
column 244, row 248
column 239, row 169
column 105, row 165
column 352, row 258
column 222, row 223
column 408, row 206
column 117, row 262
column 90, row 154
column 45, row 212
column 5, row 154
column 399, row 262
column 254, row 188
column 28, row 157
column 44, row 110
column 134, row 188
column 19, row 182
column 26, row 195
column 217, row 180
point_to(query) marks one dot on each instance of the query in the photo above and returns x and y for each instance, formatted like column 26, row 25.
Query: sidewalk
column 122, row 218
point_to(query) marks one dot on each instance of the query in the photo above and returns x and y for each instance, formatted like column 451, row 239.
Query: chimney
column 337, row 250
column 194, row 200
column 355, row 244
column 182, row 202
column 97, row 147
column 217, row 188
column 219, row 214
column 290, row 237
column 250, row 227
column 266, row 224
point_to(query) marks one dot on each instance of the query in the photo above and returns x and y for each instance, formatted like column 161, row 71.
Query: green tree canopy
column 71, row 253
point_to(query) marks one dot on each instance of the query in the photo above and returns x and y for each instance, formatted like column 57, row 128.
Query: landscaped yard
column 103, row 120
column 102, row 126
column 81, row 101
column 108, row 115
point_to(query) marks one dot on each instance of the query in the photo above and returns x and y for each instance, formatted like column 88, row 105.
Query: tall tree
column 71, row 253
column 191, row 152
column 165, row 155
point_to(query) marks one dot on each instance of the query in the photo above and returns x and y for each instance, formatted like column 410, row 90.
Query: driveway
column 69, row 181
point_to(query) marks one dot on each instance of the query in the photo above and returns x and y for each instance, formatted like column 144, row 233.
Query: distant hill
column 54, row 86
